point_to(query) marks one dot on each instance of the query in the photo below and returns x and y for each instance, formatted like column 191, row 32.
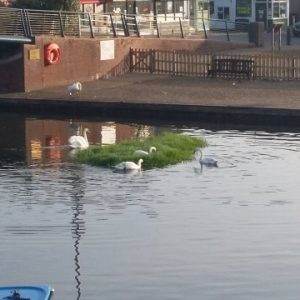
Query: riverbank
column 167, row 97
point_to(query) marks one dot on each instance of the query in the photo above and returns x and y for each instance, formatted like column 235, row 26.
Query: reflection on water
column 182, row 232
column 78, row 223
column 45, row 140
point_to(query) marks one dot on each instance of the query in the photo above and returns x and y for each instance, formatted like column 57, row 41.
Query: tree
column 71, row 5
column 67, row 5
column 4, row 3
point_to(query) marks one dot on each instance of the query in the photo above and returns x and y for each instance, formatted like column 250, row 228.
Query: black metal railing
column 30, row 23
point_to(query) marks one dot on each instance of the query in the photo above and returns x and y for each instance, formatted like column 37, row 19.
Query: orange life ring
column 52, row 54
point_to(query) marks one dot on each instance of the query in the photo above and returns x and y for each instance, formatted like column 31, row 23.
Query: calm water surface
column 180, row 232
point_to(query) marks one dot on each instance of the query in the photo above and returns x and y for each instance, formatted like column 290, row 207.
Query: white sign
column 107, row 50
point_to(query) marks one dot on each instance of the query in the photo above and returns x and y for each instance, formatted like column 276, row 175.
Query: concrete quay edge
column 154, row 111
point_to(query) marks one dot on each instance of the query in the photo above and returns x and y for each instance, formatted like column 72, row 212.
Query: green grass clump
column 171, row 149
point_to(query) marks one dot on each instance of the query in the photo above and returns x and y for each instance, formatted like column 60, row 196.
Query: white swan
column 129, row 165
column 207, row 161
column 75, row 87
column 142, row 152
column 78, row 141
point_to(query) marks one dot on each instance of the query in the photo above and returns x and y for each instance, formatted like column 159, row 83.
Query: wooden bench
column 232, row 67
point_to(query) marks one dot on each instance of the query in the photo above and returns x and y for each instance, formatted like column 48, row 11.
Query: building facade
column 267, row 11
column 92, row 6
column 163, row 9
column 294, row 11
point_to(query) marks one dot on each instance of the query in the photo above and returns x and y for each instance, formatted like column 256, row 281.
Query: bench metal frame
column 232, row 67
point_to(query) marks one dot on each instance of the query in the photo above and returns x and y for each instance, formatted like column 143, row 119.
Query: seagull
column 75, row 88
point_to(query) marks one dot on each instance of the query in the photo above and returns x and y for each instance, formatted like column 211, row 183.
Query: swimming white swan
column 207, row 161
column 142, row 152
column 129, row 165
column 75, row 87
column 78, row 141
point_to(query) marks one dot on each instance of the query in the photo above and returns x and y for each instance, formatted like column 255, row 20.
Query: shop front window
column 169, row 7
column 243, row 8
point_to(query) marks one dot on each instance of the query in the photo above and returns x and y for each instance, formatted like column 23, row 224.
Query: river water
column 181, row 232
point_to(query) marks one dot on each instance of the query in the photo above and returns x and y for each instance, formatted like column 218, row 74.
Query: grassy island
column 171, row 149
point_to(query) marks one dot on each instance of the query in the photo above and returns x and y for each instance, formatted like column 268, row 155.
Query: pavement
column 161, row 89
column 168, row 97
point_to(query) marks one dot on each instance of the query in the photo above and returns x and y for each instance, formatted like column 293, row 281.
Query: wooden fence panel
column 189, row 63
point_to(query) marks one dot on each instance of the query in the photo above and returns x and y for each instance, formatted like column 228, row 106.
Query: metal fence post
column 280, row 31
column 91, row 25
column 181, row 30
column 227, row 33
column 273, row 38
column 125, row 27
column 24, row 25
column 136, row 27
column 156, row 24
column 27, row 22
column 288, row 36
column 205, row 33
column 112, row 25
column 61, row 25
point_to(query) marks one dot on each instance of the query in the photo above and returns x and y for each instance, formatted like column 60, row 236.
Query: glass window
column 160, row 7
column 282, row 10
column 276, row 10
column 143, row 7
column 220, row 13
column 243, row 8
column 169, row 7
column 212, row 7
column 223, row 13
column 226, row 13
column 179, row 8
column 116, row 7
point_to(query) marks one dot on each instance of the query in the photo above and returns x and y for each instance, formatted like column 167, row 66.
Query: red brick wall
column 80, row 59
